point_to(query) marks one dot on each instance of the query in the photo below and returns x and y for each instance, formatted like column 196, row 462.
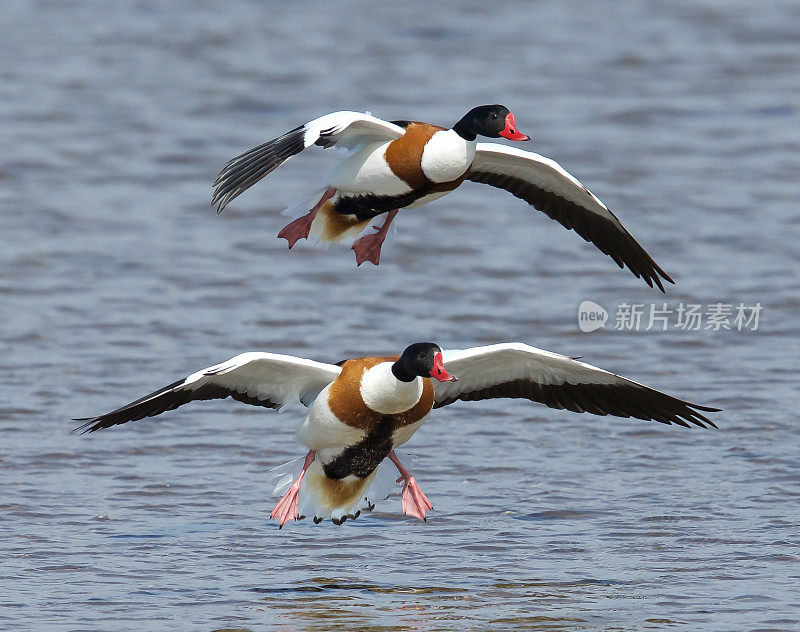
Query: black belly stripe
column 362, row 458
column 370, row 205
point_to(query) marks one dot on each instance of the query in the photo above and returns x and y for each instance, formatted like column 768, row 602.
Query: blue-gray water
column 116, row 277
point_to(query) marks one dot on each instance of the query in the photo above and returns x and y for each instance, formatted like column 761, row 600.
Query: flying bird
column 363, row 408
column 393, row 165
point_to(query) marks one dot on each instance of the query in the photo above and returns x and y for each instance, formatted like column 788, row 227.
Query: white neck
column 385, row 394
column 447, row 156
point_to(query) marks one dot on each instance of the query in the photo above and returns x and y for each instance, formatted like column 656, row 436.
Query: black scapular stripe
column 362, row 458
column 370, row 205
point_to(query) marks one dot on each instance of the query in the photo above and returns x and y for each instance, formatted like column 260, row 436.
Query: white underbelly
column 366, row 171
column 427, row 198
column 321, row 429
column 403, row 434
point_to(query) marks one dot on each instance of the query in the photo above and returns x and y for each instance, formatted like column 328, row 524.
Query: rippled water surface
column 116, row 277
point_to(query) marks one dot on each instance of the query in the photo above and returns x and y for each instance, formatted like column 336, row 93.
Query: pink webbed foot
column 414, row 502
column 300, row 228
column 288, row 506
column 368, row 248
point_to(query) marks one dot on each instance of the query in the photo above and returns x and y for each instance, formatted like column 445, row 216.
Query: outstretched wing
column 517, row 370
column 545, row 185
column 343, row 129
column 261, row 379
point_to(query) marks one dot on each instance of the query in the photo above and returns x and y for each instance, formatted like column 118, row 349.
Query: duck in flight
column 363, row 408
column 406, row 164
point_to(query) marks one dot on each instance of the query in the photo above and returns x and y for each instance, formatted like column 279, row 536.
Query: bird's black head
column 423, row 359
column 491, row 121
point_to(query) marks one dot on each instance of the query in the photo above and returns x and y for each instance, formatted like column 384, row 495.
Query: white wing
column 261, row 379
column 545, row 185
column 514, row 369
column 342, row 129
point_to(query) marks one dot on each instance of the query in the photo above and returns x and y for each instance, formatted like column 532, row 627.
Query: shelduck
column 406, row 164
column 363, row 408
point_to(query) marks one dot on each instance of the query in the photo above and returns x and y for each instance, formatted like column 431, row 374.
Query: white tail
column 383, row 484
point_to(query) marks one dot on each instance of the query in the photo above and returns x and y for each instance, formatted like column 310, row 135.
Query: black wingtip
column 653, row 277
column 84, row 427
column 606, row 233
column 660, row 274
column 699, row 419
column 707, row 409
column 218, row 201
column 243, row 171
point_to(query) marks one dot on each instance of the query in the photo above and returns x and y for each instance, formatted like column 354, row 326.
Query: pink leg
column 287, row 507
column 299, row 228
column 415, row 503
column 368, row 248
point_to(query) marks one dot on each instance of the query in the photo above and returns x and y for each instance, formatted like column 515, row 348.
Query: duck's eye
column 494, row 115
